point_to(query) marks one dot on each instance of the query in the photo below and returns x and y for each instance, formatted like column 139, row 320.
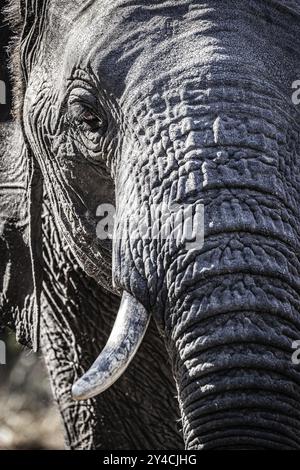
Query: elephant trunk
column 237, row 385
column 232, row 308
column 229, row 309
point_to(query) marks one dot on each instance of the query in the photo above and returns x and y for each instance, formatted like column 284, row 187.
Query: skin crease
column 193, row 105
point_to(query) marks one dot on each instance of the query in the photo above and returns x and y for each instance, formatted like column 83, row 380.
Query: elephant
column 161, row 328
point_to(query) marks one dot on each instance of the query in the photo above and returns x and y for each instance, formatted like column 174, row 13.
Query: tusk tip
column 89, row 385
column 76, row 391
column 79, row 390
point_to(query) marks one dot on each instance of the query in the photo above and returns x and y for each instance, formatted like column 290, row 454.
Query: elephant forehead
column 130, row 43
column 125, row 41
column 118, row 38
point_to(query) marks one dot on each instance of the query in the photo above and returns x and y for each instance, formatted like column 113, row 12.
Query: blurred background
column 29, row 418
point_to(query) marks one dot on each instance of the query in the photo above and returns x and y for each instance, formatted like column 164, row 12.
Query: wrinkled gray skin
column 193, row 105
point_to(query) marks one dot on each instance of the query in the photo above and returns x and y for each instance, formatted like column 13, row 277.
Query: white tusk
column 126, row 336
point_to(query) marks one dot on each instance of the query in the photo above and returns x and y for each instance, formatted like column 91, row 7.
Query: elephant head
column 180, row 115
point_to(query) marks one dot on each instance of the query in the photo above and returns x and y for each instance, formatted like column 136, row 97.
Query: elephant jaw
column 127, row 334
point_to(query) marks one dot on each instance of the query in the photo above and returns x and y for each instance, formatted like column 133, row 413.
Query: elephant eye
column 87, row 127
column 89, row 121
column 86, row 119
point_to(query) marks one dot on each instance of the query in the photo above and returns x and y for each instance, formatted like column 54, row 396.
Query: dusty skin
column 154, row 341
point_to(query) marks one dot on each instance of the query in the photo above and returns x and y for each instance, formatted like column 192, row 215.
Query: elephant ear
column 20, row 220
column 20, row 237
